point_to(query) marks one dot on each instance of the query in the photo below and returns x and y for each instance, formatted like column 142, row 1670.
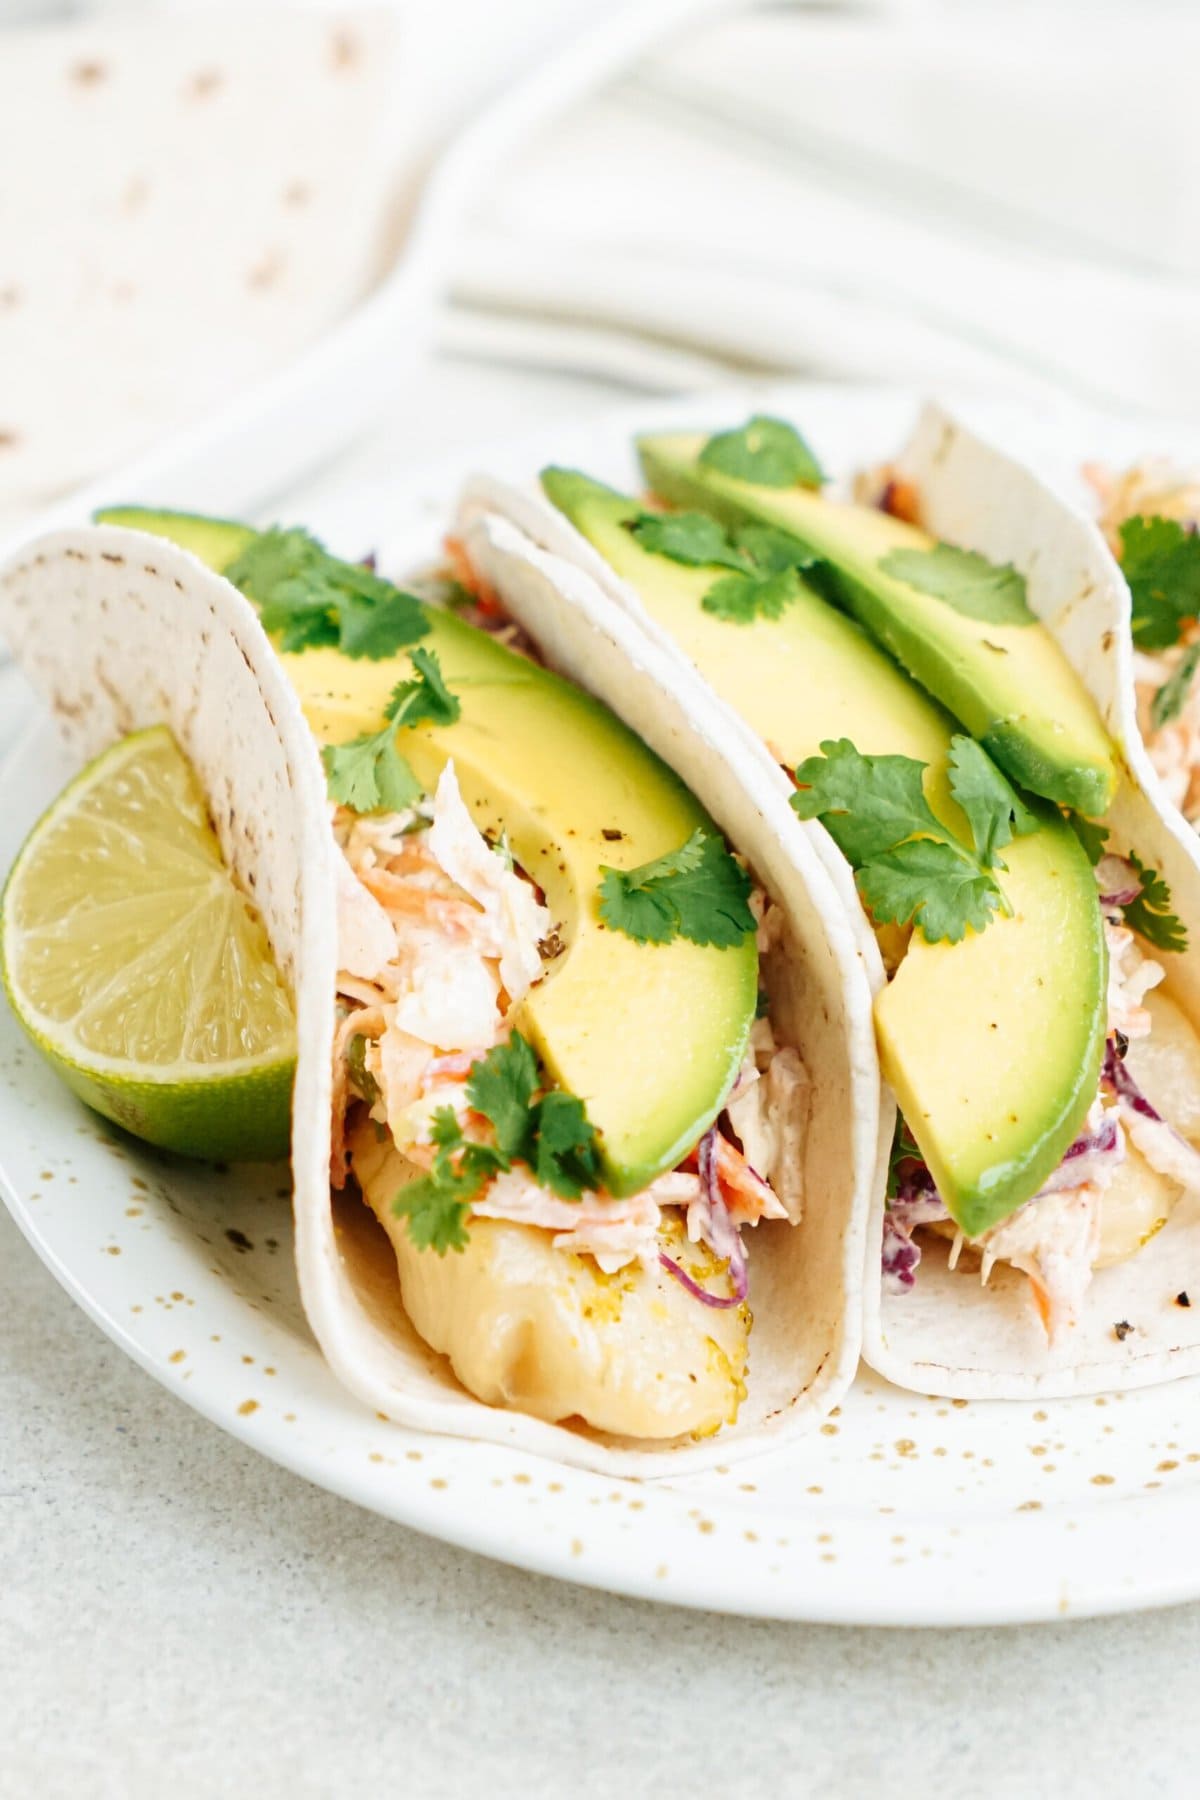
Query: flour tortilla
column 190, row 202
column 949, row 1335
column 120, row 630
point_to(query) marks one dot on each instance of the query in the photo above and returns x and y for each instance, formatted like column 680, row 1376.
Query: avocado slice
column 996, row 668
column 217, row 542
column 992, row 1045
column 650, row 1037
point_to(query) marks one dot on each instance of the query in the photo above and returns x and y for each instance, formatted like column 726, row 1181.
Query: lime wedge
column 140, row 970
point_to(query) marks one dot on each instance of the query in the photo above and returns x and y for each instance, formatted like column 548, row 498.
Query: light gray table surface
column 180, row 1618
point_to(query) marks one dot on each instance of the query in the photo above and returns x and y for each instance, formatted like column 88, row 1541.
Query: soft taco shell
column 949, row 1334
column 120, row 630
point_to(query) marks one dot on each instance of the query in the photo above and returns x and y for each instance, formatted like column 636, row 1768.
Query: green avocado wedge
column 975, row 646
column 992, row 1045
column 649, row 1036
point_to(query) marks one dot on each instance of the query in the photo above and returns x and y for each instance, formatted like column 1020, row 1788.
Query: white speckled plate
column 901, row 1510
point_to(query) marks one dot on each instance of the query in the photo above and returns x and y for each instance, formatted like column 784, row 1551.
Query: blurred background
column 274, row 224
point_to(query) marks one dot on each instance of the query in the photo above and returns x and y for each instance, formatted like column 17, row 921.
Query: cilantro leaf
column 740, row 599
column 501, row 1086
column 1151, row 915
column 566, row 1159
column 552, row 1134
column 766, row 451
column 965, row 580
column 774, row 550
column 312, row 599
column 995, row 811
column 378, row 628
column 698, row 892
column 908, row 867
column 425, row 700
column 866, row 803
column 369, row 774
column 1171, row 697
column 1092, row 836
column 1160, row 559
column 687, row 537
column 436, row 1212
column 712, row 898
column 931, row 886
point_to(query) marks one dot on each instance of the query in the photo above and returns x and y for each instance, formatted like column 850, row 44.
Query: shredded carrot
column 467, row 576
column 745, row 1193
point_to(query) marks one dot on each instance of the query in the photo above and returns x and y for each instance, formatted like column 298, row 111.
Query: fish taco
column 921, row 669
column 587, row 1109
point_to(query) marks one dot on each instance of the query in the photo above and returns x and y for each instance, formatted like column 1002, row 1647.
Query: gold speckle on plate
column 439, row 1481
column 521, row 1480
column 905, row 1447
column 660, row 1574
column 1030, row 1506
column 412, row 1455
column 177, row 1356
column 577, row 1550
column 247, row 1407
column 1102, row 1480
column 1165, row 1467
column 705, row 1525
column 829, row 1430
column 751, row 1537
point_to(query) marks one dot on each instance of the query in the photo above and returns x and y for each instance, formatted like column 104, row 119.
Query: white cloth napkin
column 995, row 193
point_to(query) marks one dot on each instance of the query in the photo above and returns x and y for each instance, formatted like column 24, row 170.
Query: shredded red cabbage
column 722, row 1234
column 718, row 1231
column 917, row 1201
column 694, row 1288
column 1122, row 878
column 1124, row 1086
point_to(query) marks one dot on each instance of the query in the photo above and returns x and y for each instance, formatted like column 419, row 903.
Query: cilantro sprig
column 908, row 866
column 1160, row 559
column 763, row 562
column 369, row 774
column 740, row 599
column 1151, row 914
column 314, row 600
column 698, row 892
column 547, row 1130
column 993, row 592
column 687, row 537
column 766, row 451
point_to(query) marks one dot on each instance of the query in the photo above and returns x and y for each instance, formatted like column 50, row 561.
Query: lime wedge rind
column 87, row 980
